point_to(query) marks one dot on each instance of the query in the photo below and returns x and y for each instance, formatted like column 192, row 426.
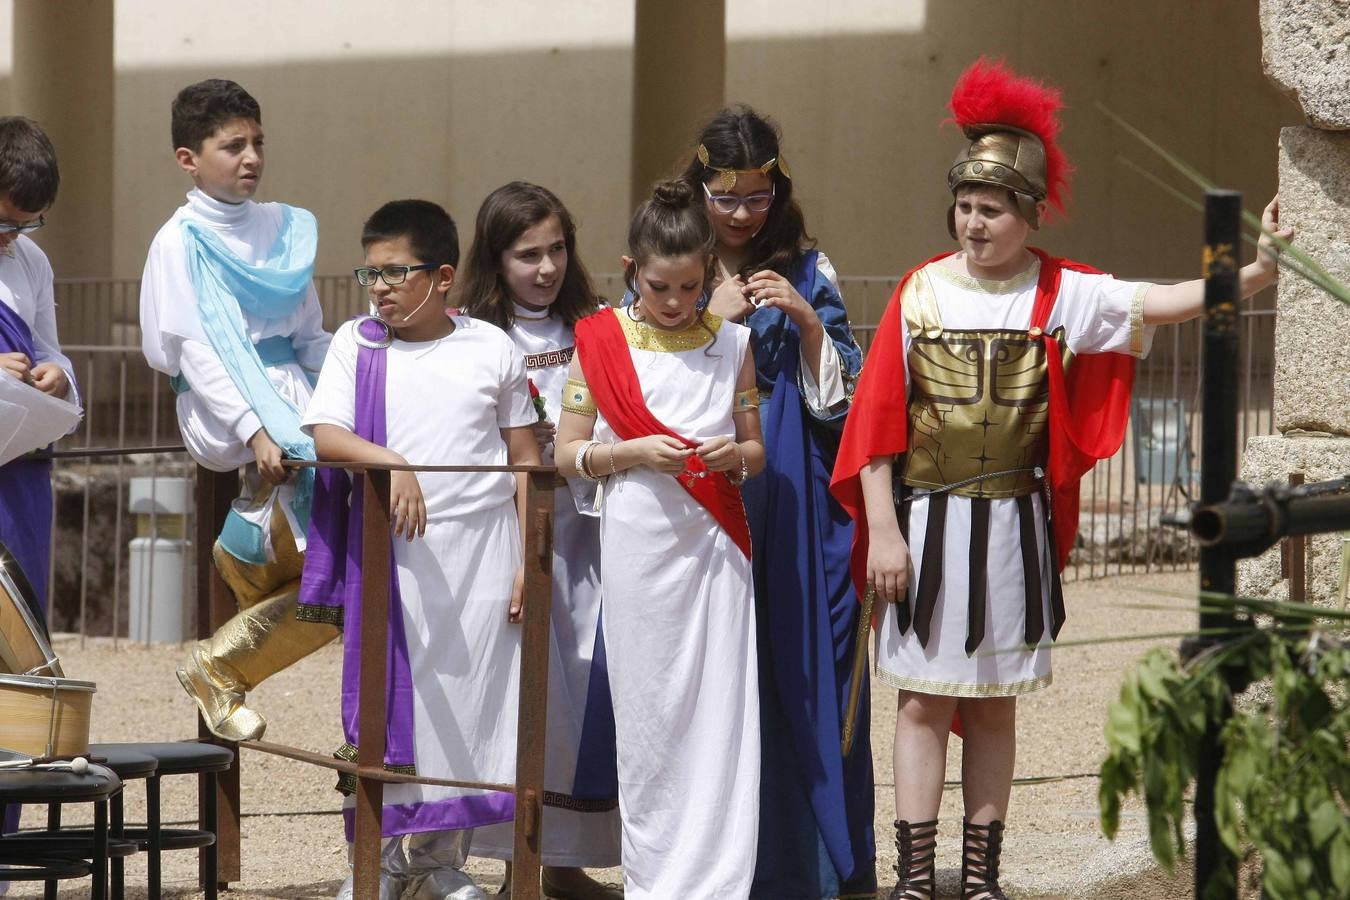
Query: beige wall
column 366, row 102
column 861, row 113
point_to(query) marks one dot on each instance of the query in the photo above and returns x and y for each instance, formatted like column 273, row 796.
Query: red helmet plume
column 989, row 94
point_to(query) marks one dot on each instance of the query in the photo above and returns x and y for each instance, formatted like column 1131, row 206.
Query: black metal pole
column 1218, row 449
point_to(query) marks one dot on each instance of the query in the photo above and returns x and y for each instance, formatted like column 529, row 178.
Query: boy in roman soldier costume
column 999, row 375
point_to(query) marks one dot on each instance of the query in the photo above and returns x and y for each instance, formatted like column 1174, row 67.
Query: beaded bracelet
column 582, row 469
column 739, row 479
column 613, row 469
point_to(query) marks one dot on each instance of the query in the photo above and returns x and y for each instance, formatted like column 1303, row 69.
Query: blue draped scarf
column 274, row 289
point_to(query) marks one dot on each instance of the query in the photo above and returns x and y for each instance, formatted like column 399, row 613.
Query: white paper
column 45, row 418
column 11, row 418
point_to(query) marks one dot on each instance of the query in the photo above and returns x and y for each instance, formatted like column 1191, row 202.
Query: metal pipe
column 1251, row 520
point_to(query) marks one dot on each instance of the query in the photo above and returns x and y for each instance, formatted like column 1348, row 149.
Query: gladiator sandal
column 916, row 845
column 980, row 849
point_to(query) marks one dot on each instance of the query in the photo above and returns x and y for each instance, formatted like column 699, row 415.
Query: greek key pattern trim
column 563, row 801
column 550, row 358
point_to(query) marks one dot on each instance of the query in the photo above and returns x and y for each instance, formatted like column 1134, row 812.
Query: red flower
column 537, row 400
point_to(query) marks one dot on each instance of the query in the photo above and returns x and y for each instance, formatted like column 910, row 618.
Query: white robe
column 26, row 288
column 1099, row 314
column 571, row 837
column 214, row 418
column 680, row 640
column 445, row 403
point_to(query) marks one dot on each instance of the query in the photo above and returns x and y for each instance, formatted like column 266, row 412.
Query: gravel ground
column 292, row 836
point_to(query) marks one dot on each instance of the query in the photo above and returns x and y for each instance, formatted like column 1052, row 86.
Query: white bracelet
column 581, row 468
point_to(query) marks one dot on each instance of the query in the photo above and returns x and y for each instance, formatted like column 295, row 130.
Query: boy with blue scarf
column 229, row 312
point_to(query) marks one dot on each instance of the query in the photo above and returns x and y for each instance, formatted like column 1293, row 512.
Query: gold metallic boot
column 257, row 643
column 263, row 638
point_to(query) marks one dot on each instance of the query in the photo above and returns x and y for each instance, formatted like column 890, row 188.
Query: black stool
column 128, row 764
column 27, row 857
column 176, row 758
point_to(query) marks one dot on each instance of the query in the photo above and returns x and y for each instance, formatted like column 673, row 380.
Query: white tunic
column 214, row 418
column 26, row 288
column 1098, row 314
column 571, row 837
column 446, row 402
column 680, row 640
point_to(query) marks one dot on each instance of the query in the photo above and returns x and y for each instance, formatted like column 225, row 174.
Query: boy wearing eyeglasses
column 409, row 384
column 29, row 349
column 229, row 312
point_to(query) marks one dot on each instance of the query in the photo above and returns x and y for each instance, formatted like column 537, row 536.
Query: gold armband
column 577, row 398
column 745, row 400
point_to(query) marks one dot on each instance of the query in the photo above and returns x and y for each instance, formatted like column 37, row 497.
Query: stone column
column 679, row 79
column 1306, row 54
column 63, row 78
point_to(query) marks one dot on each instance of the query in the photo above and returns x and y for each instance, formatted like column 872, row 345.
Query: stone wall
column 1306, row 52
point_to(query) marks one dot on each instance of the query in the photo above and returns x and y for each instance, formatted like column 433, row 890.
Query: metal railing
column 129, row 405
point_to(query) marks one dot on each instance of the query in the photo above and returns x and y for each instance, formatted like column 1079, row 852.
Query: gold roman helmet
column 1005, row 157
column 726, row 178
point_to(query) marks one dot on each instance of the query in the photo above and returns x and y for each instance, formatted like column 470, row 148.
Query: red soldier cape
column 613, row 382
column 1089, row 407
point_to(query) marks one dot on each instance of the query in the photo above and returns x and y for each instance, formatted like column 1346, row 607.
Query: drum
column 24, row 649
column 42, row 713
column 45, row 717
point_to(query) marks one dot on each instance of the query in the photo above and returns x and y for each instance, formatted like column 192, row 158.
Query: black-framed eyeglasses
column 727, row 204
column 392, row 275
column 7, row 228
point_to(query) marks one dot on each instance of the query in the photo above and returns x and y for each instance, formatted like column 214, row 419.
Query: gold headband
column 727, row 177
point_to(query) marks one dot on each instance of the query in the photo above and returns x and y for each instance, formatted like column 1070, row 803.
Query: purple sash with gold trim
column 330, row 588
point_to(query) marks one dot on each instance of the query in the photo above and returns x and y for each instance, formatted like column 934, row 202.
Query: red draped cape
column 613, row 382
column 1089, row 406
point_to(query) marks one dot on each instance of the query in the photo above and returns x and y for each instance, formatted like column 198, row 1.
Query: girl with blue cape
column 816, row 805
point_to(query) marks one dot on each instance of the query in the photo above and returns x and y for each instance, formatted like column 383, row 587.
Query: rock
column 90, row 562
column 1272, row 459
column 1305, row 50
column 1312, row 331
column 1107, row 540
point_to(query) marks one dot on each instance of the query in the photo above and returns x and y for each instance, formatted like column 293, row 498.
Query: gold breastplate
column 978, row 402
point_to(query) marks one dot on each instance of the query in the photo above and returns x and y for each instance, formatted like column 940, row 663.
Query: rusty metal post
column 1296, row 547
column 376, row 566
column 534, row 644
column 214, row 491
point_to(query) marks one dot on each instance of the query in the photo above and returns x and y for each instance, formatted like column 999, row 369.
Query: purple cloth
column 472, row 811
column 26, row 484
column 331, row 581
column 25, row 505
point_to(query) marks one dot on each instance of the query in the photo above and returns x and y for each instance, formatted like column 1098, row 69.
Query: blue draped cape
column 816, row 807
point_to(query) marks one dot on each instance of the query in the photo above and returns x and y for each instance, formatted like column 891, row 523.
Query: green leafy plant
column 1283, row 787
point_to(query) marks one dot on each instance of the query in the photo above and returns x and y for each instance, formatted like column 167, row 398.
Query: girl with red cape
column 661, row 407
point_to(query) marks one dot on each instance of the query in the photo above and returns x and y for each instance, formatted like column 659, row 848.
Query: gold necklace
column 642, row 335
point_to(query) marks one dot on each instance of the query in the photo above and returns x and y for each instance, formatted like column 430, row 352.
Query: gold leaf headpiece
column 726, row 178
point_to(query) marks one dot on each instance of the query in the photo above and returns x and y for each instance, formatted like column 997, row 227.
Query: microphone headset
column 406, row 317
